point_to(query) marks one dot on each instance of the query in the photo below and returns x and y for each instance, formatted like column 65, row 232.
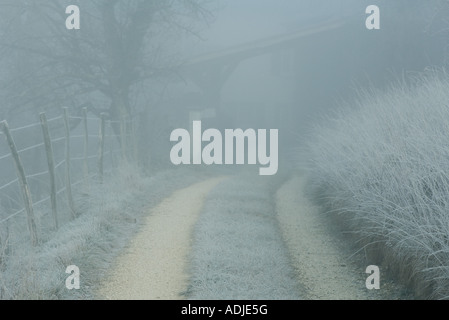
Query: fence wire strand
column 12, row 216
column 9, row 184
column 31, row 147
column 34, row 175
column 25, row 127
column 57, row 139
column 5, row 156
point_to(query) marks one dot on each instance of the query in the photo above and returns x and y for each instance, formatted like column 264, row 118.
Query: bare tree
column 121, row 44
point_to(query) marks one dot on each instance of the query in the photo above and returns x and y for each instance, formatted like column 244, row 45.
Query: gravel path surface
column 239, row 238
column 154, row 264
column 324, row 264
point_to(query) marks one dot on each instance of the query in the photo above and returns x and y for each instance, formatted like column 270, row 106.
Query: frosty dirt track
column 156, row 263
column 320, row 267
column 153, row 266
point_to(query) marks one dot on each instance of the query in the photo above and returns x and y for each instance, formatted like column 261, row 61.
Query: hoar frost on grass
column 109, row 215
column 238, row 251
column 383, row 169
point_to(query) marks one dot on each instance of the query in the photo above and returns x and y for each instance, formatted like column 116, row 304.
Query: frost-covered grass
column 238, row 251
column 109, row 215
column 382, row 168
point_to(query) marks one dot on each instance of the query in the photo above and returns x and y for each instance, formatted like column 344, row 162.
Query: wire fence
column 44, row 164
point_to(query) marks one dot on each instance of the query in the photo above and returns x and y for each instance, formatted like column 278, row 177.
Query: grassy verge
column 109, row 216
column 381, row 168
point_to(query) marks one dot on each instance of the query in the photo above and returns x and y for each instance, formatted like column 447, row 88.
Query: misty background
column 138, row 69
column 159, row 63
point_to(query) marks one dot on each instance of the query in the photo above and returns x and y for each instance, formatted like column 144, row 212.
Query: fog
column 96, row 94
column 239, row 64
column 293, row 85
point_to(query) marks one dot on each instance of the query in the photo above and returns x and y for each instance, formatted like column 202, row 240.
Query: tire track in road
column 323, row 263
column 154, row 264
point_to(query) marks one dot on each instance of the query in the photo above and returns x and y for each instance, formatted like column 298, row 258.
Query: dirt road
column 153, row 266
column 320, row 266
column 324, row 264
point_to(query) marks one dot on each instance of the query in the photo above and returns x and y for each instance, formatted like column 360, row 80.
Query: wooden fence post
column 68, row 183
column 134, row 141
column 111, row 144
column 86, row 147
column 51, row 166
column 101, row 146
column 123, row 138
column 22, row 182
